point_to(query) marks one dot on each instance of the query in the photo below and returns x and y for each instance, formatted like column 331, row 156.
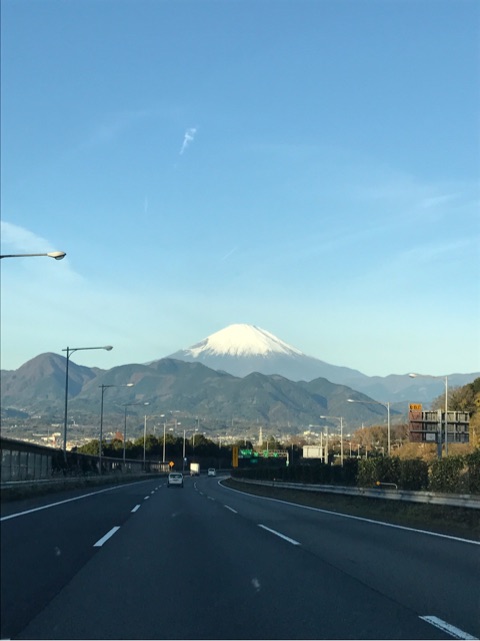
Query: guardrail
column 433, row 498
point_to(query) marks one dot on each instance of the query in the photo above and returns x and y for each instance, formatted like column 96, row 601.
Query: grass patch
column 444, row 519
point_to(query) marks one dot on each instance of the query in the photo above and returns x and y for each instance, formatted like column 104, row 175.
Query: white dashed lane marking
column 105, row 538
column 282, row 536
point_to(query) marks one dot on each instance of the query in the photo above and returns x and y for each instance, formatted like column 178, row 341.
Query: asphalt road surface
column 143, row 561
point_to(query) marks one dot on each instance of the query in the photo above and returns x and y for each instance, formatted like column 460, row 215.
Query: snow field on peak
column 242, row 340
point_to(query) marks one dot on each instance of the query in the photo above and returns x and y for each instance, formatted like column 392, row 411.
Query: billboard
column 313, row 451
column 429, row 426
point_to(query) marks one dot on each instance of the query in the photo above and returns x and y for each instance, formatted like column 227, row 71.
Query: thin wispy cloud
column 19, row 239
column 447, row 251
column 227, row 255
column 188, row 137
column 436, row 201
column 113, row 126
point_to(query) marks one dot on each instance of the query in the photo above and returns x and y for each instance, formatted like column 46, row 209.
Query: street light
column 104, row 387
column 70, row 351
column 387, row 405
column 183, row 461
column 338, row 418
column 125, row 405
column 55, row 255
column 446, row 410
column 145, row 437
column 164, row 428
column 195, row 431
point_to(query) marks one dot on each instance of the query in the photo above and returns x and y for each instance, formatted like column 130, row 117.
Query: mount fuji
column 242, row 349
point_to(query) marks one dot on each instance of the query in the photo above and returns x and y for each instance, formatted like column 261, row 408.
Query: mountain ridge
column 221, row 370
column 189, row 388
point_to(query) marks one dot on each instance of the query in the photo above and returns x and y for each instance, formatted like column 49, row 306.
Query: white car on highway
column 175, row 478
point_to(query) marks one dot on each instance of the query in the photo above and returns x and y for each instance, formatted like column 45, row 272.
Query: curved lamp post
column 56, row 255
column 104, row 387
column 446, row 410
column 183, row 461
column 387, row 405
column 145, row 434
column 125, row 405
column 70, row 351
column 164, row 428
column 145, row 438
column 193, row 445
column 338, row 418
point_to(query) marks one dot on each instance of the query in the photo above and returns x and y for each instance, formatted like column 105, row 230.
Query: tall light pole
column 387, row 405
column 55, row 255
column 145, row 438
column 174, row 433
column 194, row 432
column 104, row 387
column 70, row 351
column 446, row 411
column 338, row 418
column 183, row 459
column 125, row 405
column 164, row 429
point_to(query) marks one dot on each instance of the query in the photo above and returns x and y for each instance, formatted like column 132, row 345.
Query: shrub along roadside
column 455, row 474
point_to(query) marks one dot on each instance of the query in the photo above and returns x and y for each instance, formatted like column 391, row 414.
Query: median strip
column 105, row 538
column 282, row 536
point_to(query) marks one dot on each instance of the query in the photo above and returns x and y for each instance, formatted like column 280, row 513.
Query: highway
column 143, row 561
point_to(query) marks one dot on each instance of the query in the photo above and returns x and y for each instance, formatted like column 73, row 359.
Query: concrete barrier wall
column 23, row 462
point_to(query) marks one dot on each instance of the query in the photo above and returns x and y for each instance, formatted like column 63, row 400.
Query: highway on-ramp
column 143, row 561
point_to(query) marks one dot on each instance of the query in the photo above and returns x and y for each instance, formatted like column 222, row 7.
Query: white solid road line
column 355, row 518
column 105, row 538
column 282, row 536
column 456, row 633
column 75, row 498
column 231, row 509
column 135, row 508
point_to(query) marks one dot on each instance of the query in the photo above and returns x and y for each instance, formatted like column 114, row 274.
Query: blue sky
column 307, row 166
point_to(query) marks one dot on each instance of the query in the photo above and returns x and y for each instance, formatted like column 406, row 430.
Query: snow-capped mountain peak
column 242, row 349
column 241, row 340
